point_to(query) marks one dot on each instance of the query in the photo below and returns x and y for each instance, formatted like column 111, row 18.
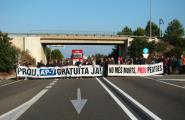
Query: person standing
column 183, row 64
column 179, row 65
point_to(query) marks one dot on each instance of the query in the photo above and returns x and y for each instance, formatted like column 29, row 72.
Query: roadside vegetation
column 171, row 42
column 8, row 54
column 54, row 55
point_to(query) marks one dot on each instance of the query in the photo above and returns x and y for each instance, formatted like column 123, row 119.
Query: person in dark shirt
column 40, row 64
column 49, row 64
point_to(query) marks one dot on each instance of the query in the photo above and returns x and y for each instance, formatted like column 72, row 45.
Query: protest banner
column 89, row 71
column 66, row 71
column 135, row 70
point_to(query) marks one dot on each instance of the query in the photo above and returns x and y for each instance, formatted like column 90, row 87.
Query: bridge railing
column 74, row 34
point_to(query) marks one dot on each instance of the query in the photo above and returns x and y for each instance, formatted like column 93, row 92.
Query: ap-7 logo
column 47, row 72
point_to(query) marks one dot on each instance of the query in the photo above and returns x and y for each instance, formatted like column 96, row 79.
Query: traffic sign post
column 145, row 53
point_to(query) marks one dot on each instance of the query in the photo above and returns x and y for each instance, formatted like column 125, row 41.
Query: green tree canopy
column 56, row 55
column 139, row 32
column 115, row 52
column 155, row 29
column 137, row 46
column 48, row 53
column 174, row 33
column 8, row 53
column 126, row 31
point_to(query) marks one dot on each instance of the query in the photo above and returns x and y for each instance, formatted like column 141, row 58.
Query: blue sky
column 85, row 15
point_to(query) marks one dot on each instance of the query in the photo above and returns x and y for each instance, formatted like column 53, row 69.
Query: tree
column 161, row 46
column 177, row 52
column 48, row 53
column 174, row 33
column 115, row 52
column 56, row 55
column 98, row 57
column 155, row 29
column 139, row 32
column 126, row 31
column 8, row 53
column 137, row 46
column 25, row 57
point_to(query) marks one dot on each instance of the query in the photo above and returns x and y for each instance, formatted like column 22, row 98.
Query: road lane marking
column 79, row 103
column 10, row 83
column 123, row 107
column 171, row 84
column 181, row 80
column 158, row 75
column 158, row 80
column 51, row 84
column 18, row 111
column 48, row 87
column 146, row 110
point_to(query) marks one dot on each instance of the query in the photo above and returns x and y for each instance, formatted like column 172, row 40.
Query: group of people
column 172, row 65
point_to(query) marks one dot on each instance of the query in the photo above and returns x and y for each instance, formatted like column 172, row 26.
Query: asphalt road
column 165, row 100
column 14, row 93
column 56, row 104
column 157, row 97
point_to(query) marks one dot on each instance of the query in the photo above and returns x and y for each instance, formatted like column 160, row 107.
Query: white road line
column 165, row 82
column 158, row 75
column 155, row 117
column 172, row 84
column 51, row 84
column 183, row 80
column 48, row 87
column 54, row 81
column 18, row 111
column 150, row 78
column 123, row 107
column 10, row 83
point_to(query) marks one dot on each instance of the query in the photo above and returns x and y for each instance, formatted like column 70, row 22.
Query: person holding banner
column 49, row 64
column 40, row 64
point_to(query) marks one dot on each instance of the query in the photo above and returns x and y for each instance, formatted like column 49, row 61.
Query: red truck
column 77, row 55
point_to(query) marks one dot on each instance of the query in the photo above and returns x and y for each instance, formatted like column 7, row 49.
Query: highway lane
column 5, row 82
column 56, row 104
column 166, row 101
column 174, row 80
column 18, row 92
column 163, row 100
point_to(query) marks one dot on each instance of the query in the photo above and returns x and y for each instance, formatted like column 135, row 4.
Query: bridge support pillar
column 31, row 44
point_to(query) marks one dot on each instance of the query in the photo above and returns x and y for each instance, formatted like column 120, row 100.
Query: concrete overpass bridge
column 36, row 43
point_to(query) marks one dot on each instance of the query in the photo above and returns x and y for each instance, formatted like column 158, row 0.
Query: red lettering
column 141, row 70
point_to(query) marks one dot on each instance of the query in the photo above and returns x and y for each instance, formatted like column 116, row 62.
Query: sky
column 109, row 16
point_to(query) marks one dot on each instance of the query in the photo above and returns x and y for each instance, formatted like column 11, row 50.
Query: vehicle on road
column 77, row 55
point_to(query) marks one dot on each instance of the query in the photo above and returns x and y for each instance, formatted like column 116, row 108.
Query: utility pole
column 150, row 19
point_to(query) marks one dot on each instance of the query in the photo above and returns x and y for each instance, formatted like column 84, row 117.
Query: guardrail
column 73, row 34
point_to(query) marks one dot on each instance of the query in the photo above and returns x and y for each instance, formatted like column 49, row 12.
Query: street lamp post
column 150, row 19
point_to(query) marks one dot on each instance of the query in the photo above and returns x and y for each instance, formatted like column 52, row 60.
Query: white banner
column 66, row 71
column 135, row 70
